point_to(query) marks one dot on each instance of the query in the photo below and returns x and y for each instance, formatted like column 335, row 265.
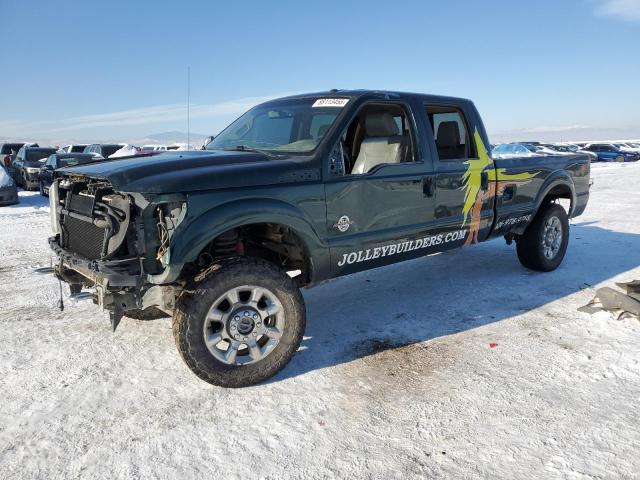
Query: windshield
column 36, row 155
column 293, row 126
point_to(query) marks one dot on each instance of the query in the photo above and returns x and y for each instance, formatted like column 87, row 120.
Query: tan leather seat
column 381, row 144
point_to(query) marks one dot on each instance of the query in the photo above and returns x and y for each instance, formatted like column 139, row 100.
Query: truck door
column 464, row 172
column 380, row 195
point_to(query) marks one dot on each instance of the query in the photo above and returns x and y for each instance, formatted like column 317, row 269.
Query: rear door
column 464, row 193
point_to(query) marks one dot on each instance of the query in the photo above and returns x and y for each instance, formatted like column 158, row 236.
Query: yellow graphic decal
column 472, row 178
column 474, row 196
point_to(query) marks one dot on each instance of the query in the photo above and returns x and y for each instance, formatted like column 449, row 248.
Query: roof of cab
column 382, row 94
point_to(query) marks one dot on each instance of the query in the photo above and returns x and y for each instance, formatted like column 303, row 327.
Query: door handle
column 484, row 181
column 427, row 186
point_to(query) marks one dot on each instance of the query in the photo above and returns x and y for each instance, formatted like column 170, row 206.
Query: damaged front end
column 117, row 243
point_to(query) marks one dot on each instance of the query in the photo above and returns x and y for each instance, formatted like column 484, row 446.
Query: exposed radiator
column 82, row 237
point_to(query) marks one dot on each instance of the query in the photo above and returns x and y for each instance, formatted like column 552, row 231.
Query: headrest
column 380, row 125
column 448, row 134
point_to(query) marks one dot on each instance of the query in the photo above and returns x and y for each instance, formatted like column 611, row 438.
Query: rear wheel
column 544, row 243
column 239, row 324
column 619, row 158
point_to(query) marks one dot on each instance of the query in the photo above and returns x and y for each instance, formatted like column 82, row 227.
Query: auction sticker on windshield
column 330, row 102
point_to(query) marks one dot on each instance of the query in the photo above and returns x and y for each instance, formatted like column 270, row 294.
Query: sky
column 114, row 70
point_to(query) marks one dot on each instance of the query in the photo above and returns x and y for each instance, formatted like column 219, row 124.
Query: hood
column 189, row 171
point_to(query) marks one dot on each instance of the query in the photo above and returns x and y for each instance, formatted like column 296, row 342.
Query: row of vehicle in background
column 31, row 167
column 604, row 152
column 25, row 161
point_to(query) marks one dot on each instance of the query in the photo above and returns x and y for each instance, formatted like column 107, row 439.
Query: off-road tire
column 151, row 313
column 529, row 246
column 196, row 299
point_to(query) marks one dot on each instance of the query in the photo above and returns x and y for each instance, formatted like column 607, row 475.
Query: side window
column 51, row 161
column 450, row 132
column 380, row 134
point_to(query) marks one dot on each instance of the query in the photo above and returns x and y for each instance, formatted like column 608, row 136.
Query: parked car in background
column 571, row 148
column 608, row 152
column 539, row 149
column 105, row 150
column 8, row 189
column 62, row 160
column 511, row 150
column 626, row 147
column 8, row 152
column 154, row 148
column 126, row 150
column 74, row 148
column 26, row 166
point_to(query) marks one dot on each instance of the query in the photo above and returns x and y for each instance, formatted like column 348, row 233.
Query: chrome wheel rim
column 552, row 237
column 244, row 325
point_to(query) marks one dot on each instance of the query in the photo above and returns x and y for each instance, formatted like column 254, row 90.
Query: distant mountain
column 164, row 138
column 167, row 138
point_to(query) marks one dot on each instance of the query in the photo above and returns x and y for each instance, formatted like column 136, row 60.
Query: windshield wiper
column 244, row 148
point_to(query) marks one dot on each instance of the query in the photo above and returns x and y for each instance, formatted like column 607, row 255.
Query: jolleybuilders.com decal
column 402, row 247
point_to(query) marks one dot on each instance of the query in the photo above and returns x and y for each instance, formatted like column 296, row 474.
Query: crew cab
column 297, row 191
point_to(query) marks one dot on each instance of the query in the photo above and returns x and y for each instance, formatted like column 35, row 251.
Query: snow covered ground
column 460, row 365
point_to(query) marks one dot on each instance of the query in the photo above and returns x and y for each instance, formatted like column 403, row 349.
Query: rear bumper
column 581, row 203
column 8, row 196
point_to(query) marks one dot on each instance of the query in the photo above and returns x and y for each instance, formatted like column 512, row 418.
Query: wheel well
column 559, row 192
column 276, row 243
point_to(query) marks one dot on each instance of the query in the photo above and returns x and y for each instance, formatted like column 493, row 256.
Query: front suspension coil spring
column 226, row 244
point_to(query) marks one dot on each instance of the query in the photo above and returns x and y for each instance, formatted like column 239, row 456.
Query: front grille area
column 82, row 237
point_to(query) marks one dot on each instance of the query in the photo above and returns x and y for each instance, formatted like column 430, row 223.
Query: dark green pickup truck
column 296, row 191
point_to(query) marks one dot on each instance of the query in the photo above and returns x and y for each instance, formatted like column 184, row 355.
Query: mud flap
column 115, row 316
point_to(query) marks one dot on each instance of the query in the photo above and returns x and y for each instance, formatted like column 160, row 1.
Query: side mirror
column 207, row 141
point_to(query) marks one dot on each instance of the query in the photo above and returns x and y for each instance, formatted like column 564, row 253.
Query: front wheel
column 239, row 323
column 544, row 243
